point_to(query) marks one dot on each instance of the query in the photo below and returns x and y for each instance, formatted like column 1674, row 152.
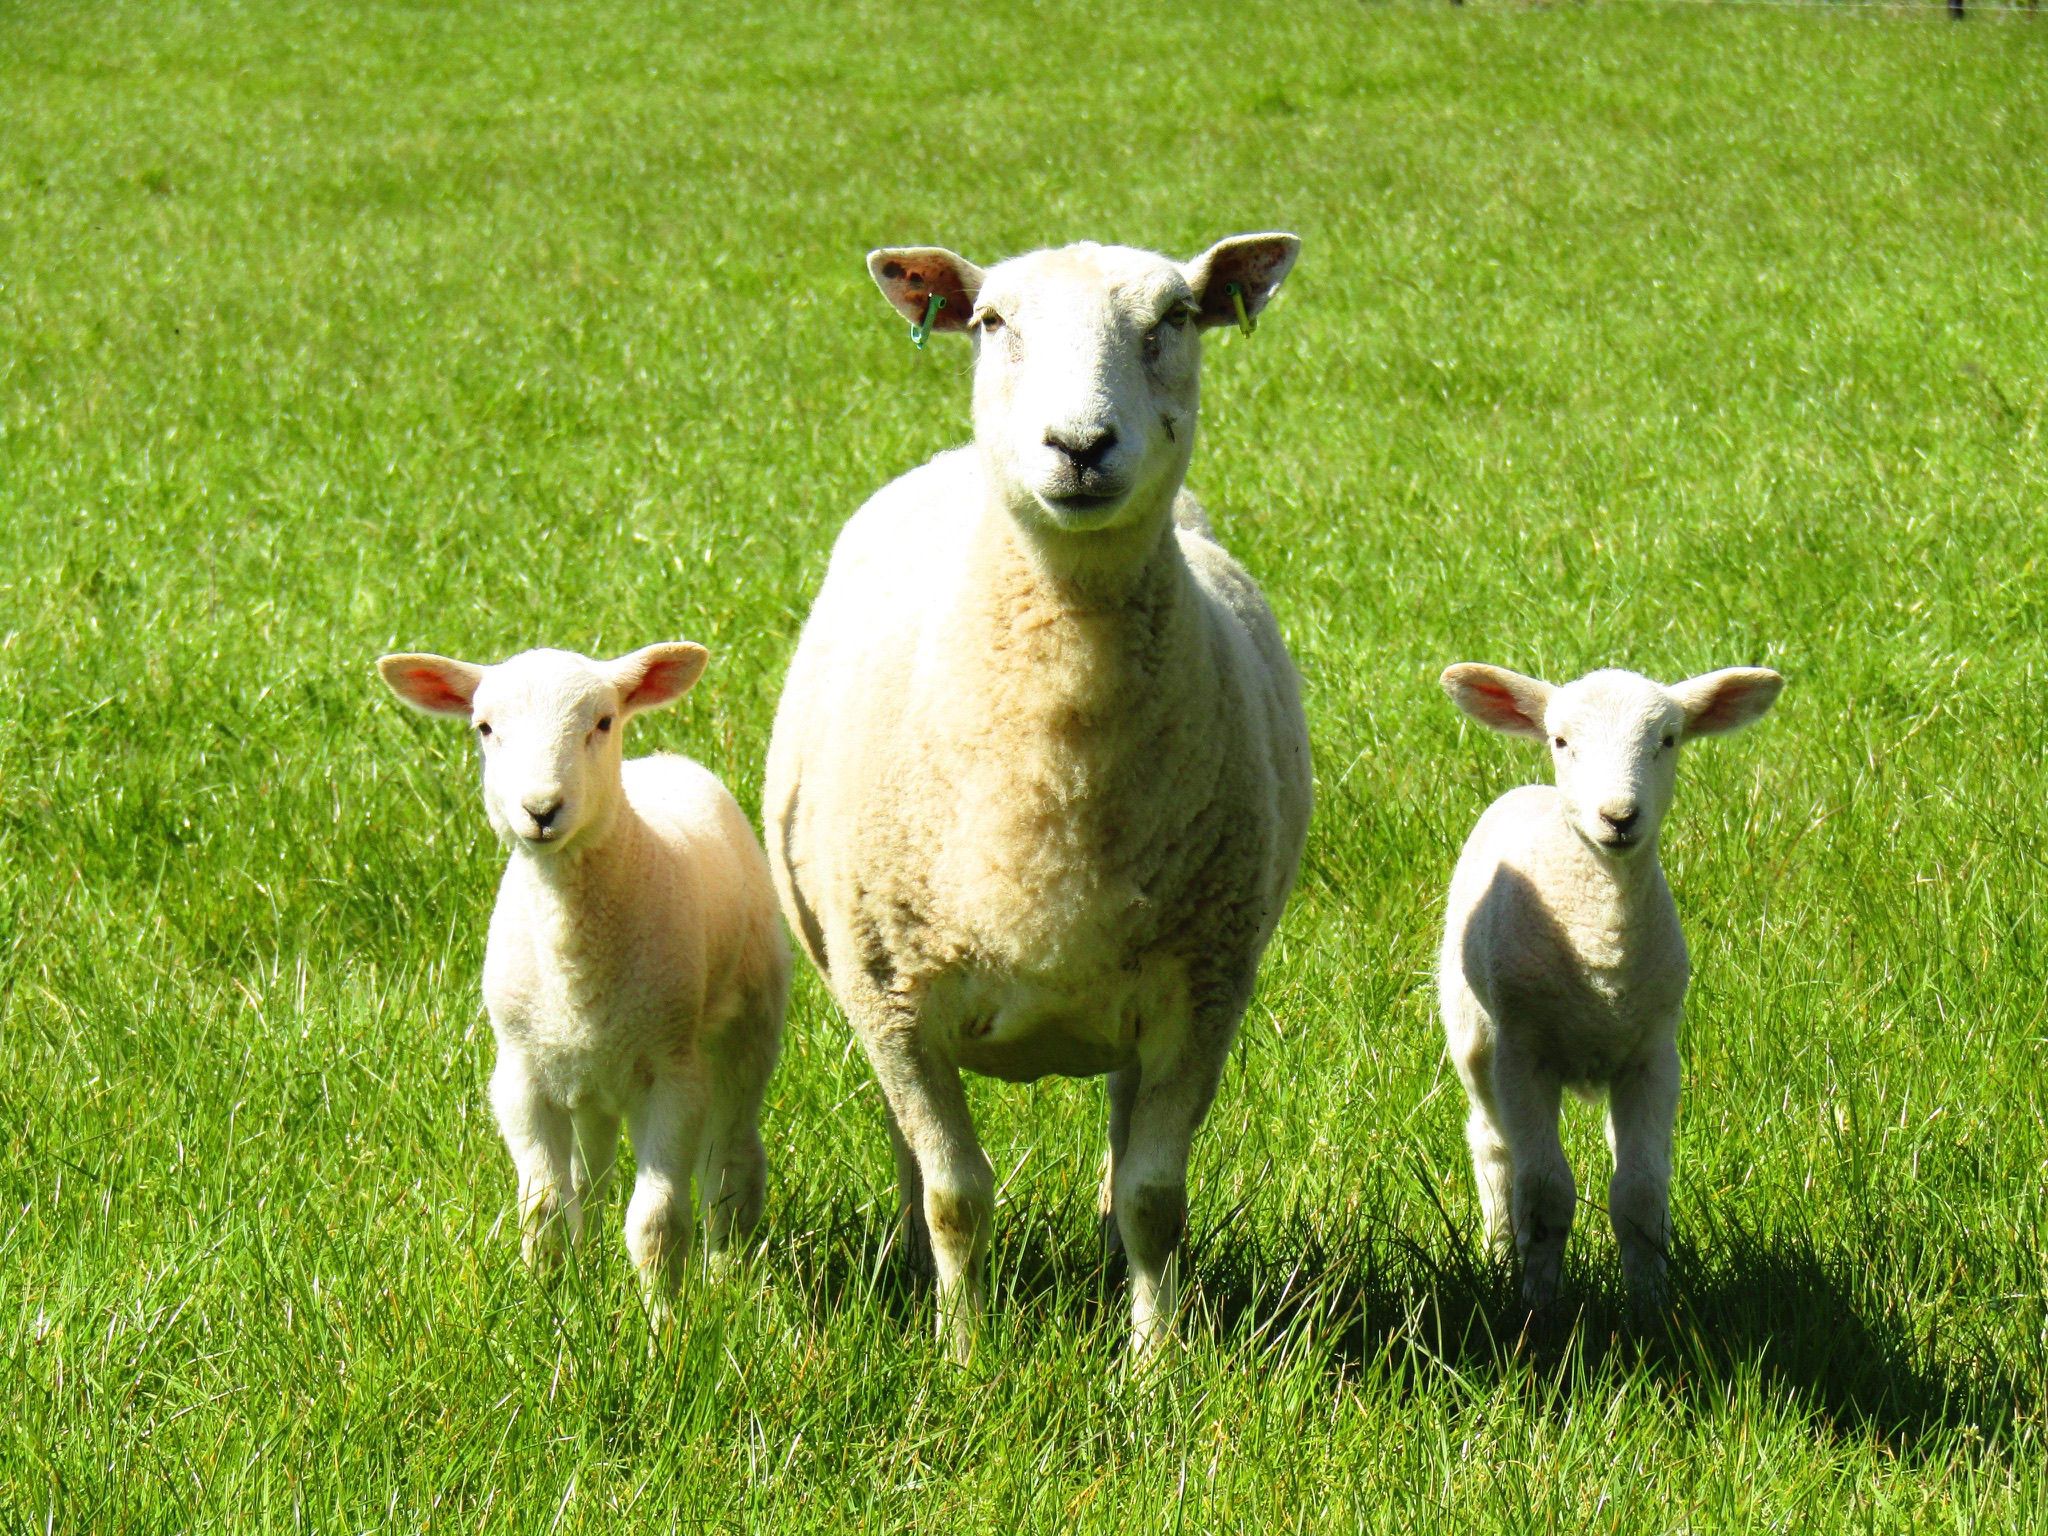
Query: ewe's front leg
column 538, row 1135
column 1151, row 1185
column 1642, row 1105
column 916, row 1236
column 1541, row 1199
column 668, row 1133
column 928, row 1107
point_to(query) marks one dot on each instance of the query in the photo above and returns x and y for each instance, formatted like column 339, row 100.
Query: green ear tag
column 1245, row 322
column 923, row 328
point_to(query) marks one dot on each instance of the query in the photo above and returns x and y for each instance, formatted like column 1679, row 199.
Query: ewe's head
column 1614, row 736
column 1087, row 363
column 548, row 726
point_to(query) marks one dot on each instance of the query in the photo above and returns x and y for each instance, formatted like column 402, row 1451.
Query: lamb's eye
column 988, row 321
column 605, row 724
column 1557, row 742
column 1670, row 741
column 483, row 727
column 1177, row 317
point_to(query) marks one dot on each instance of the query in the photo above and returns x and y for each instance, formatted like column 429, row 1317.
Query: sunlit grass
column 1668, row 337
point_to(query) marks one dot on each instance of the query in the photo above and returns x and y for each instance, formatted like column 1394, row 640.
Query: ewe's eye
column 1670, row 740
column 605, row 724
column 1557, row 742
column 483, row 728
column 988, row 322
column 1178, row 316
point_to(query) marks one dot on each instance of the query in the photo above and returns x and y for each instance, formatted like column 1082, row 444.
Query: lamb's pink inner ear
column 1499, row 707
column 1501, row 702
column 909, row 276
column 1729, row 700
column 431, row 683
column 666, row 673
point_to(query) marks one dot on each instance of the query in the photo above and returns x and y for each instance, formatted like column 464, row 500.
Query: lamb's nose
column 543, row 811
column 1620, row 819
column 1087, row 447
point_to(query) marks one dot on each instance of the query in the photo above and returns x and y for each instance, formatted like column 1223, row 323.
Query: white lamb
column 1040, row 777
column 636, row 967
column 1563, row 964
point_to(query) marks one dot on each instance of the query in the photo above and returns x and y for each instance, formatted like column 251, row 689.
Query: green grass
column 1668, row 336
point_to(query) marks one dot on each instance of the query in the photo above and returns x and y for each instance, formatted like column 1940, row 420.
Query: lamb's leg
column 928, row 1106
column 538, row 1135
column 1151, row 1192
column 1642, row 1104
column 595, row 1159
column 1541, row 1197
column 1493, row 1169
column 732, row 1179
column 668, row 1133
column 1123, row 1093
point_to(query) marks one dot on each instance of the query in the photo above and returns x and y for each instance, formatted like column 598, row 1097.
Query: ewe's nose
column 1620, row 816
column 1086, row 447
column 542, row 808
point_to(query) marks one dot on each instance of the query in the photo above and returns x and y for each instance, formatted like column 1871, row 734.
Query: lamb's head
column 1614, row 736
column 1087, row 363
column 548, row 728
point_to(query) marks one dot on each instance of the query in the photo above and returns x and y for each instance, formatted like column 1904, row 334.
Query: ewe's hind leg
column 668, row 1136
column 1123, row 1093
column 1151, row 1194
column 595, row 1159
column 1642, row 1103
column 1541, row 1197
column 538, row 1134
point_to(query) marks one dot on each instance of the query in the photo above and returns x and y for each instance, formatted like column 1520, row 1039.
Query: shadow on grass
column 1828, row 1327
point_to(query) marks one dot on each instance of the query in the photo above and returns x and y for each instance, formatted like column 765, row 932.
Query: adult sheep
column 1039, row 779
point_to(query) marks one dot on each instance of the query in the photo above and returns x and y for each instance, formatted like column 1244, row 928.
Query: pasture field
column 1677, row 336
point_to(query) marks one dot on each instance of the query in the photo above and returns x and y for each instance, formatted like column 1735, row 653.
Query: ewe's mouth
column 1083, row 504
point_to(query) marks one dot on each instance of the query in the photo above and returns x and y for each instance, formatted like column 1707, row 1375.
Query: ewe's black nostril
column 1086, row 449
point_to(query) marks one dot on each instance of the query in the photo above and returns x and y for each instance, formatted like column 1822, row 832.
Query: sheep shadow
column 1812, row 1323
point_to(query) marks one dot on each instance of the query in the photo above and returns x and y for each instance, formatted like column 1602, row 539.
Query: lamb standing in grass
column 1040, row 777
column 636, row 967
column 1563, row 964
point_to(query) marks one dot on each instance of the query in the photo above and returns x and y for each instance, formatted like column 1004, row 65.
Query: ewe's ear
column 1497, row 698
column 1727, row 700
column 1256, row 263
column 657, row 674
column 431, row 683
column 909, row 275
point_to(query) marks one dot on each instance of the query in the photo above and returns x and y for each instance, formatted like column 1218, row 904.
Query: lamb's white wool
column 1563, row 964
column 1040, row 778
column 636, row 968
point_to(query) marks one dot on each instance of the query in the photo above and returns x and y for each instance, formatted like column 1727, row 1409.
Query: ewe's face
column 1086, row 362
column 547, row 725
column 1614, row 741
column 1086, row 379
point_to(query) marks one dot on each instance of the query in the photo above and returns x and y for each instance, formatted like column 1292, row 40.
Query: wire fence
column 1958, row 10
